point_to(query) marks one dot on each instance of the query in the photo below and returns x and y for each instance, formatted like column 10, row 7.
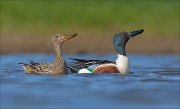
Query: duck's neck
column 120, row 49
column 119, row 45
column 59, row 61
column 122, row 59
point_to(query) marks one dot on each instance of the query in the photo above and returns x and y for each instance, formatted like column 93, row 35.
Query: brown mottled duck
column 58, row 67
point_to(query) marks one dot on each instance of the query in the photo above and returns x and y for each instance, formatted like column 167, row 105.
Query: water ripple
column 149, row 85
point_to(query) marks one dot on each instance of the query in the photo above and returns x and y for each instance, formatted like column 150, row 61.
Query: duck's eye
column 57, row 36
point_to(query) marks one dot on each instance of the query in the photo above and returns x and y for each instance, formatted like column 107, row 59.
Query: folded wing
column 82, row 63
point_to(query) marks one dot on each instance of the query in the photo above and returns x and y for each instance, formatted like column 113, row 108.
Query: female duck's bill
column 68, row 36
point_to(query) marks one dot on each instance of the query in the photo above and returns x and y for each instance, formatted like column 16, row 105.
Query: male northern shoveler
column 59, row 65
column 121, row 64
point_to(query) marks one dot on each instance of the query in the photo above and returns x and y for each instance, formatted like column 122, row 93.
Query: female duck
column 59, row 65
column 121, row 64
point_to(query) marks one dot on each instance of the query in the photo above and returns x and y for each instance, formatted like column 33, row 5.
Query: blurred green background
column 34, row 21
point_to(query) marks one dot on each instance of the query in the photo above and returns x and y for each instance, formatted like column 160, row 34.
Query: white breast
column 122, row 64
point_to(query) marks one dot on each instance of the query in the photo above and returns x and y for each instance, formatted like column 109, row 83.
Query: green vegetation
column 158, row 18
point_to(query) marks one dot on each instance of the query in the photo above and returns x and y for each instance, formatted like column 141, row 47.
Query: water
column 154, row 83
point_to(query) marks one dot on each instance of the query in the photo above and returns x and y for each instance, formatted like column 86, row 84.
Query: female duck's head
column 120, row 40
column 60, row 38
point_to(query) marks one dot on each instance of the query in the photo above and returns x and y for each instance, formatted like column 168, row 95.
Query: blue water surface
column 153, row 83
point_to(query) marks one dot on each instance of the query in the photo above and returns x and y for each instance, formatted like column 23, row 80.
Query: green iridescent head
column 120, row 40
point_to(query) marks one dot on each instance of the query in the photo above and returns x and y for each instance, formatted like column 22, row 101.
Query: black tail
column 73, row 70
column 21, row 63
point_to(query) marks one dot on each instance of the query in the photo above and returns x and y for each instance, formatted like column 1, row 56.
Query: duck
column 59, row 66
column 120, row 65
